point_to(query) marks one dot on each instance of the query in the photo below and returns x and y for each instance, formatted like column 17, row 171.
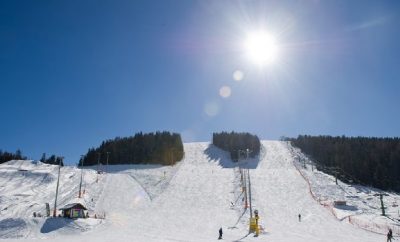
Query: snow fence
column 361, row 223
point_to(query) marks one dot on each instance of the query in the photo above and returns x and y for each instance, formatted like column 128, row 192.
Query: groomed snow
column 186, row 202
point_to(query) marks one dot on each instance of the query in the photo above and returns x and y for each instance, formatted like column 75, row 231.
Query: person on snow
column 220, row 233
column 389, row 235
column 299, row 217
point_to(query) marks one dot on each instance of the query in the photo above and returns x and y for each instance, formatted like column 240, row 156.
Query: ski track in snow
column 189, row 201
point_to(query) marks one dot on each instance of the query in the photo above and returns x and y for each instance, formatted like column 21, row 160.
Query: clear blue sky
column 74, row 73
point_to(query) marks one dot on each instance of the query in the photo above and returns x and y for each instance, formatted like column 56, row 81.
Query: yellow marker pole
column 257, row 227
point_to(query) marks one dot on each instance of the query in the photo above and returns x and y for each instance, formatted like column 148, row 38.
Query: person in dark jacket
column 389, row 235
column 220, row 233
column 299, row 217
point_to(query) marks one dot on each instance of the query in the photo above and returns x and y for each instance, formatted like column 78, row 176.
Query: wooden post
column 382, row 205
column 251, row 208
column 58, row 182
column 80, row 184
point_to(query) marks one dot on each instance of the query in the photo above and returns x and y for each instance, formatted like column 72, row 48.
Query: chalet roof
column 73, row 205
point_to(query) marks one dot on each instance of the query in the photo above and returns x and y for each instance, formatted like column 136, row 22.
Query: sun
column 261, row 47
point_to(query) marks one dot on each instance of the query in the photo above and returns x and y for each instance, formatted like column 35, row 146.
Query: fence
column 374, row 227
column 363, row 224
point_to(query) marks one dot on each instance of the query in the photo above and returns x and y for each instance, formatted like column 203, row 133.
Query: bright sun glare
column 261, row 48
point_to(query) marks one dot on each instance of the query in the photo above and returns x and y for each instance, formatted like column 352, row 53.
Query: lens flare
column 211, row 109
column 238, row 75
column 225, row 91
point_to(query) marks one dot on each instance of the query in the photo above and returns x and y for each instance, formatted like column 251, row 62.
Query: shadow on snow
column 53, row 224
column 223, row 158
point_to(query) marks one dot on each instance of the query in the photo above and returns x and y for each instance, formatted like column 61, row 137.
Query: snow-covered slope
column 280, row 194
column 363, row 205
column 186, row 202
column 26, row 187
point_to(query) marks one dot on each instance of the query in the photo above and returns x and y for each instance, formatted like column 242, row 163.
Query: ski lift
column 380, row 194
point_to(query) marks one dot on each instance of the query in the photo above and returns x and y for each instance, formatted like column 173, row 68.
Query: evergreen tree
column 152, row 148
column 7, row 156
column 368, row 161
column 235, row 142
column 52, row 160
column 43, row 159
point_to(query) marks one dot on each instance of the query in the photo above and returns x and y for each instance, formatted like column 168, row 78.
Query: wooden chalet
column 73, row 210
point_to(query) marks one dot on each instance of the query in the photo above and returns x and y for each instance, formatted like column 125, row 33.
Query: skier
column 299, row 217
column 220, row 233
column 389, row 235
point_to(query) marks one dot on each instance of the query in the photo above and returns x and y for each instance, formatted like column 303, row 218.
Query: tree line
column 52, row 160
column 7, row 156
column 237, row 144
column 163, row 148
column 368, row 161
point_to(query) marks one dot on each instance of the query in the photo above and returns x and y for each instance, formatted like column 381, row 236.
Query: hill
column 189, row 201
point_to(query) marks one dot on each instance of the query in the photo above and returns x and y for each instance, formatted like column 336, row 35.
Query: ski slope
column 280, row 194
column 189, row 201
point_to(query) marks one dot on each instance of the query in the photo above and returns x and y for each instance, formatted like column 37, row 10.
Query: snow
column 363, row 206
column 189, row 201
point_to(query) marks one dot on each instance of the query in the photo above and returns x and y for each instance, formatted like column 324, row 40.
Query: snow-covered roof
column 73, row 202
column 73, row 205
